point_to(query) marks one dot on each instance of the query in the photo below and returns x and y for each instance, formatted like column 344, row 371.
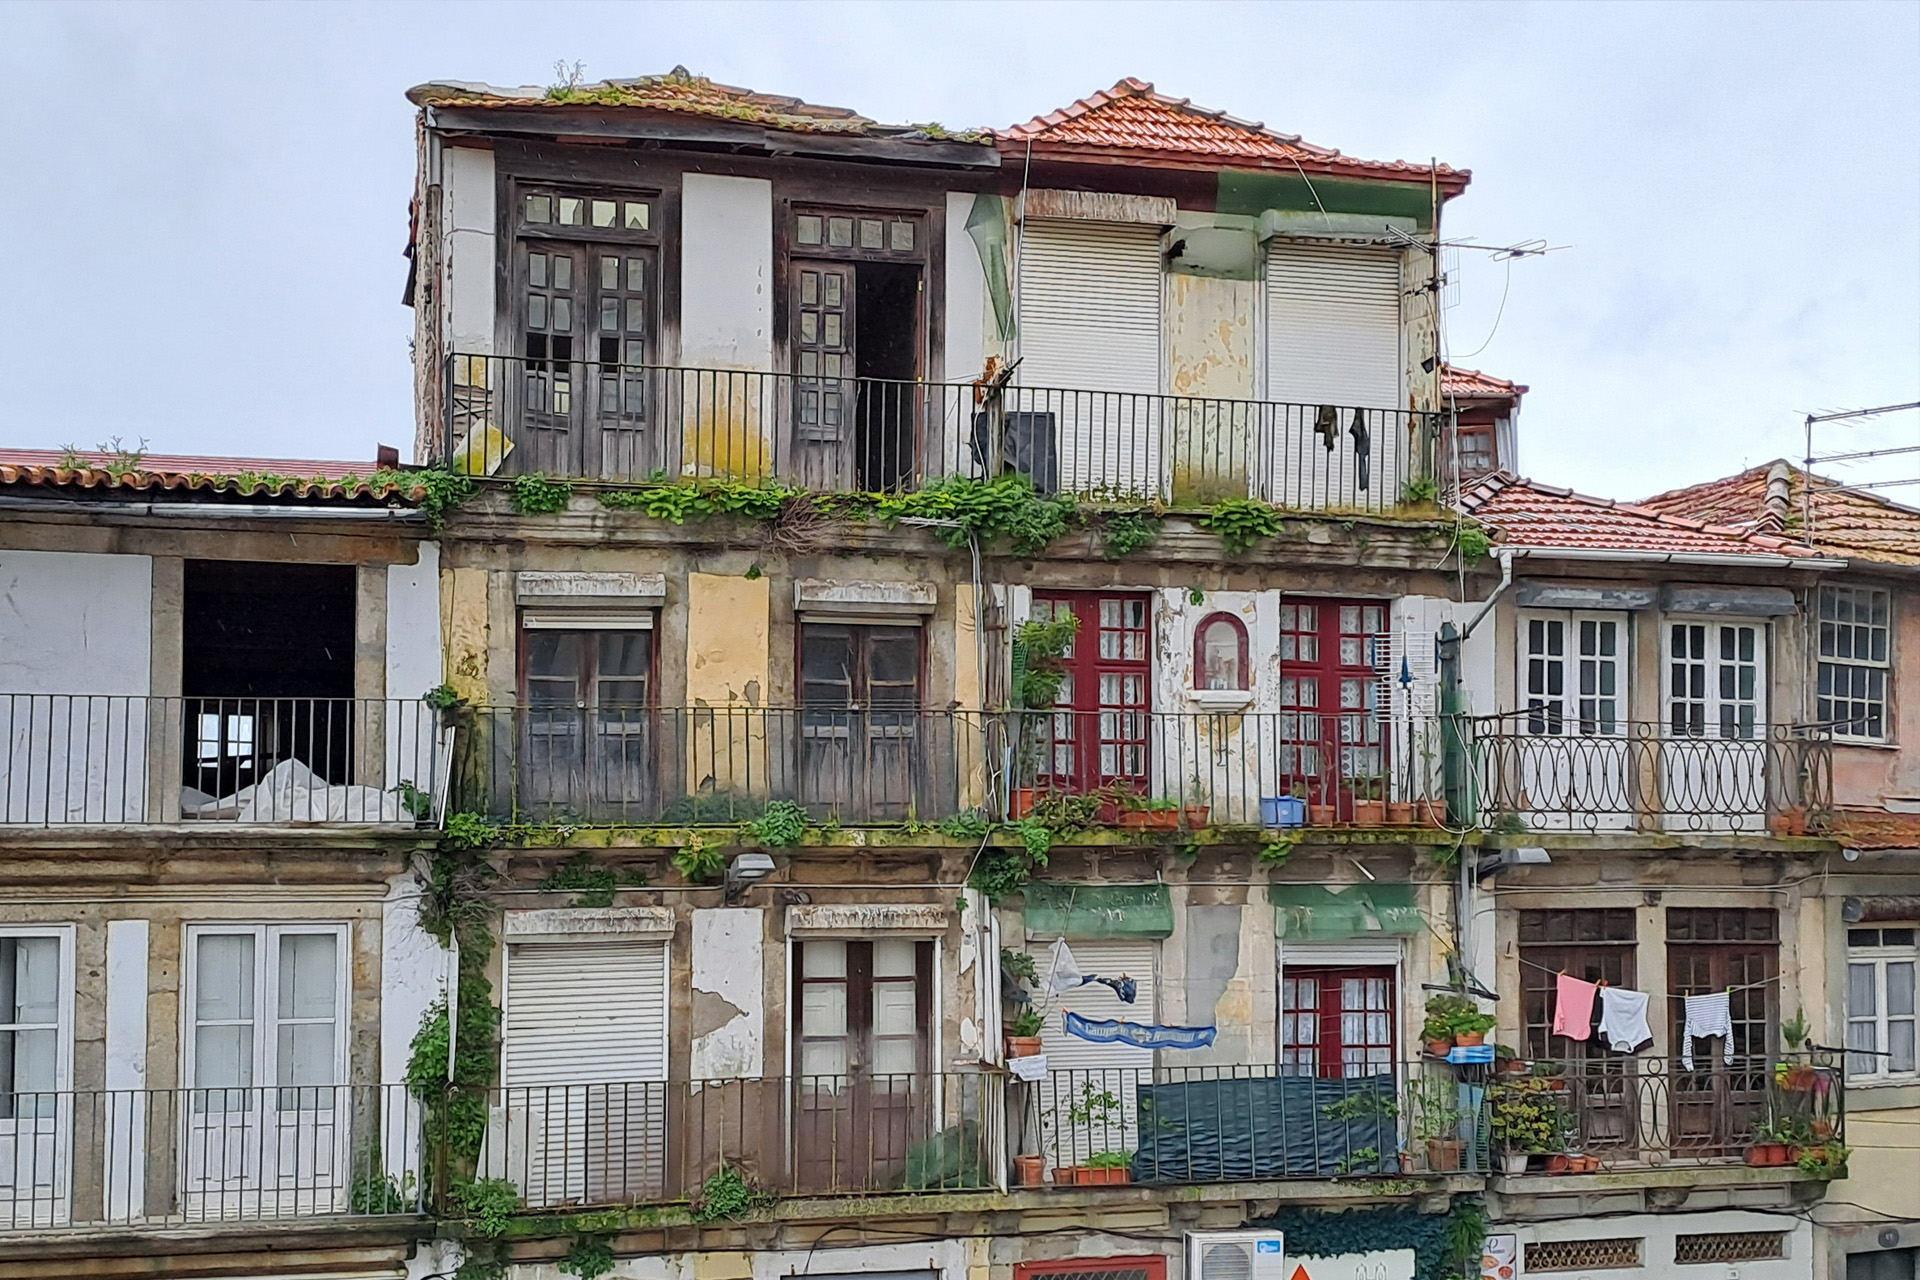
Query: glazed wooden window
column 1855, row 662
column 1099, row 733
column 1336, row 1023
column 1881, row 962
column 1594, row 945
column 1220, row 653
column 1330, row 728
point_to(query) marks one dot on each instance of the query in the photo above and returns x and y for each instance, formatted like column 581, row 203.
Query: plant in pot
column 1194, row 816
column 1369, row 803
column 1470, row 1027
column 1767, row 1145
column 1447, row 1015
column 1526, row 1120
column 1436, row 1123
column 1039, row 668
column 1107, row 1168
column 1095, row 1115
column 1023, row 1032
column 1150, row 813
column 1507, row 1062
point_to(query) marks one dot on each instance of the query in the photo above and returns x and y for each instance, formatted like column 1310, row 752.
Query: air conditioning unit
column 1236, row 1255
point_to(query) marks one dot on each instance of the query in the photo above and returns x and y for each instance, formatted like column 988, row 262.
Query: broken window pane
column 609, row 273
column 572, row 210
column 809, row 230
column 636, row 215
column 539, row 208
column 603, row 211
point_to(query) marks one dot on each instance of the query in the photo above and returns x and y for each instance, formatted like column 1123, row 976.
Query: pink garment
column 1573, row 1007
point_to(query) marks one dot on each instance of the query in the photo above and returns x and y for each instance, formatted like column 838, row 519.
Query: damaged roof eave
column 1451, row 182
column 670, row 128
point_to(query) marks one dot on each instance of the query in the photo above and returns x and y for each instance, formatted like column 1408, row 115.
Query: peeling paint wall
column 726, row 317
column 727, row 642
column 464, row 623
column 728, row 993
column 1211, row 352
column 467, row 197
column 73, row 622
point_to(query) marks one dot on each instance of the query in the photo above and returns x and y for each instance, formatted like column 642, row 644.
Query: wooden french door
column 588, row 725
column 1336, row 1023
column 1099, row 733
column 1736, row 950
column 860, row 729
column 1601, row 1086
column 862, row 1090
column 585, row 321
column 1333, row 742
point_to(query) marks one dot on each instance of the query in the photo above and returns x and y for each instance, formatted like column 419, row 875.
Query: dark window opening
column 266, row 671
column 863, row 746
column 886, row 349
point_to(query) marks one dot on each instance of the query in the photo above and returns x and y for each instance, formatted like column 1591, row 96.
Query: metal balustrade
column 631, row 424
column 112, row 759
column 1556, row 773
column 182, row 1157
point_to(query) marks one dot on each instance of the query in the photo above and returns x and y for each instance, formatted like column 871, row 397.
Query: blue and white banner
column 1142, row 1035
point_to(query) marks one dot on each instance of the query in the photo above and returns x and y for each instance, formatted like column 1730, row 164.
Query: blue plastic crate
column 1283, row 811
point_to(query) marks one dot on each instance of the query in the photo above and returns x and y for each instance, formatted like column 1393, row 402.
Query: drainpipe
column 1453, row 709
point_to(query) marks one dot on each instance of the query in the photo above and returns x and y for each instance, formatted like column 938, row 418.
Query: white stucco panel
column 467, row 194
column 75, row 622
column 726, row 272
column 729, row 1003
column 966, row 352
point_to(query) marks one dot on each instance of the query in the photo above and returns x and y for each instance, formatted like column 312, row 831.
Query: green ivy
column 965, row 826
column 699, row 862
column 1419, row 490
column 1445, row 1246
column 487, row 1203
column 982, row 510
column 441, row 697
column 727, row 1194
column 783, row 825
column 1239, row 523
column 595, row 884
column 537, row 493
column 468, row 831
column 1123, row 534
column 588, row 1257
column 442, row 490
column 1472, row 542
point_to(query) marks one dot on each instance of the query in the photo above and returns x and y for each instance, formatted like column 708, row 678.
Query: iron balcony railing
column 1567, row 774
column 1617, row 1110
column 628, row 424
column 111, row 759
column 628, row 765
column 633, row 1142
column 1250, row 1123
column 180, row 1157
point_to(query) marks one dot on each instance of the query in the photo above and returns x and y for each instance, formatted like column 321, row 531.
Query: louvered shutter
column 1074, row 1064
column 1333, row 326
column 1090, row 325
column 584, row 1066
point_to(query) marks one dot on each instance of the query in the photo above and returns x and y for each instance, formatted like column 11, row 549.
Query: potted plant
column 1039, row 667
column 1437, row 1031
column 1767, row 1147
column 1790, row 821
column 1526, row 1120
column 1470, row 1028
column 1437, row 1125
column 1454, row 1019
column 1096, row 1114
column 1023, row 1032
column 1507, row 1062
column 1369, row 809
column 1158, row 813
column 1030, row 1171
column 1106, row 1168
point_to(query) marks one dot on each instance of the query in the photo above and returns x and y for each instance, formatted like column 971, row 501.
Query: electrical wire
column 1504, row 288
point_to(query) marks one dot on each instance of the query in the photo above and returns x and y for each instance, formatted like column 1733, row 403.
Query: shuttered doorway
column 1333, row 340
column 584, row 1070
column 1075, row 1119
column 1090, row 350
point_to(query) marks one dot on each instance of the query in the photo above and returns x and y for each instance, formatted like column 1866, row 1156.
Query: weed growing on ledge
column 1240, row 523
column 539, row 494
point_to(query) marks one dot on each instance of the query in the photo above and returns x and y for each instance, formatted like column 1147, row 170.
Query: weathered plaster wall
column 73, row 622
column 728, row 983
column 1211, row 353
column 413, row 625
column 726, row 272
column 727, row 640
column 464, row 624
column 470, row 219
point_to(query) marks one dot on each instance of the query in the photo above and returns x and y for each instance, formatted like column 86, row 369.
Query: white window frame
column 1579, row 712
column 266, row 997
column 1710, row 694
column 1878, row 958
column 58, row 1125
column 1826, row 644
column 63, row 1028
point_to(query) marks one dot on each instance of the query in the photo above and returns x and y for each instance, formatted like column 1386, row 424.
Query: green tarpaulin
column 1319, row 913
column 1098, row 910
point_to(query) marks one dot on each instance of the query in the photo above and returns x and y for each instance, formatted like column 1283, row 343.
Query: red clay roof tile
column 1859, row 525
column 1527, row 514
column 247, row 477
column 1473, row 383
column 1875, row 829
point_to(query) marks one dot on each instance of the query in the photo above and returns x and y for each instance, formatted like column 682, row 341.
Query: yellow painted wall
column 1881, row 1173
column 463, row 621
column 727, row 680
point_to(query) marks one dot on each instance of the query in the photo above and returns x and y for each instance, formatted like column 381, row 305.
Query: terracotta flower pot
column 1089, row 1176
column 1399, row 813
column 1369, row 813
column 1066, row 1175
column 1430, row 813
column 1195, row 816
column 1321, row 815
column 1766, row 1155
column 1030, row 1171
column 1439, row 1048
column 1151, row 819
column 1020, row 803
column 1559, row 1162
column 1443, row 1154
column 1583, row 1164
column 1023, row 1046
column 1469, row 1039
column 1788, row 822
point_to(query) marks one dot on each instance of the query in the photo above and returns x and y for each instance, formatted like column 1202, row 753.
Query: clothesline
column 1671, row 995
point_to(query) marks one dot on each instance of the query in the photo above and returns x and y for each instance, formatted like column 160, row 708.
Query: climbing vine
column 595, row 884
column 1124, row 533
column 537, row 493
column 1240, row 523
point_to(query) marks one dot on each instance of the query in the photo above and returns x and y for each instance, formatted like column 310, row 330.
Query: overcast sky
column 208, row 202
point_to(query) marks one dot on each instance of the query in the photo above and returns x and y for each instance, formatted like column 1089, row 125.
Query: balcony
column 112, row 760
column 688, row 766
column 631, row 424
column 1620, row 1112
column 161, row 1158
column 1564, row 776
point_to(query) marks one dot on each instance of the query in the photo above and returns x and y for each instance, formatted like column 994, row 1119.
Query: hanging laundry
column 1623, row 1019
column 1708, row 1015
column 1142, row 1035
column 1064, row 974
column 1362, row 448
column 1327, row 423
column 1126, row 988
column 1573, row 1007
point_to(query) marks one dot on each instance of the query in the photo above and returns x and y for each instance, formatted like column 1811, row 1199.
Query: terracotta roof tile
column 1858, row 525
column 1473, row 383
column 1133, row 118
column 245, row 477
column 681, row 92
column 1526, row 514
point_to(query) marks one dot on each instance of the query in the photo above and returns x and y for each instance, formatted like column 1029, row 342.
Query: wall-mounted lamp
column 743, row 871
column 1524, row 856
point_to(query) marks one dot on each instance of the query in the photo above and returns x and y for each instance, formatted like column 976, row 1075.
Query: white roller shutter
column 1333, row 325
column 584, row 1069
column 1089, row 323
column 1074, row 1065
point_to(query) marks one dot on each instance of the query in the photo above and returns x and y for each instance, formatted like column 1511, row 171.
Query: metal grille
column 1730, row 1246
column 1584, row 1255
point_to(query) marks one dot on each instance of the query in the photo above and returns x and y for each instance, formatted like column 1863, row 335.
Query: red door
column 1098, row 733
column 1336, row 1023
column 1333, row 743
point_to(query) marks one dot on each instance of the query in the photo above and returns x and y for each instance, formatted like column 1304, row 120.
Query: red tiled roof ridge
column 1475, row 499
column 270, row 477
column 1493, row 385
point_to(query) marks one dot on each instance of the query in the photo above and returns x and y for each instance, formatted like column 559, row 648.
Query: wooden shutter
column 1333, row 326
column 594, row 1011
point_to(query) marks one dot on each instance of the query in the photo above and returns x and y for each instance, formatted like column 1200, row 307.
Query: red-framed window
column 1331, row 730
column 1099, row 732
column 1337, row 1022
column 1220, row 653
column 1143, row 1267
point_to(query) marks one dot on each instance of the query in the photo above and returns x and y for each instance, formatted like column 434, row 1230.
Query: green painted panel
column 1254, row 193
column 1317, row 913
column 1098, row 910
